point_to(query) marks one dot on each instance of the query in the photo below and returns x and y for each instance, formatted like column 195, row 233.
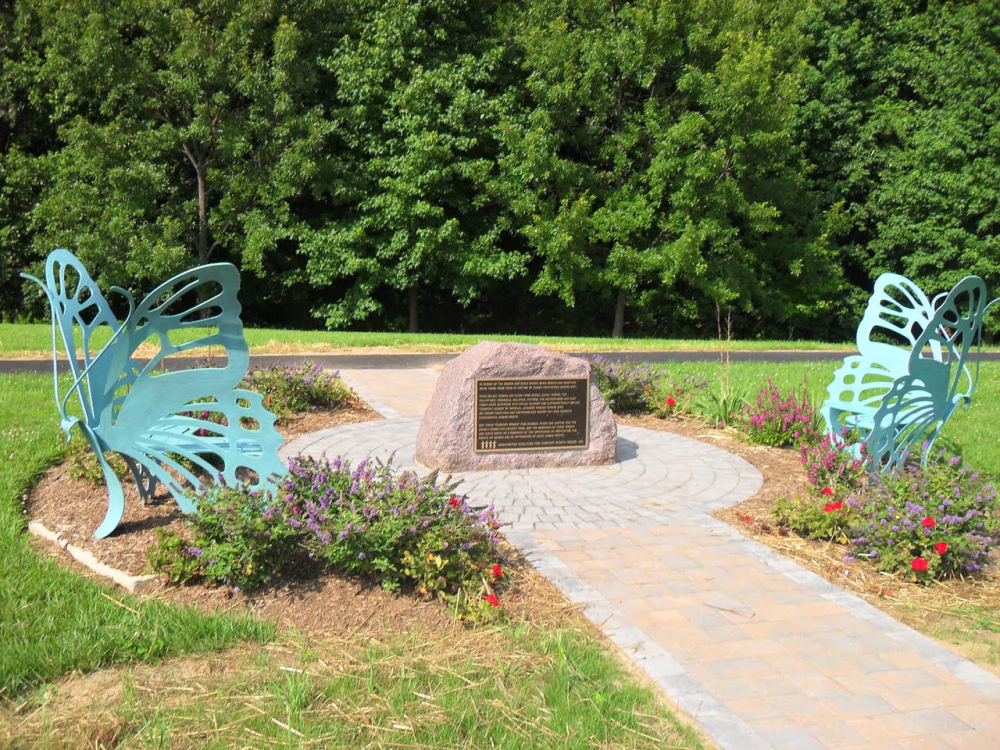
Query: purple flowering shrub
column 293, row 388
column 626, row 386
column 938, row 520
column 240, row 538
column 931, row 522
column 778, row 420
column 372, row 520
column 376, row 521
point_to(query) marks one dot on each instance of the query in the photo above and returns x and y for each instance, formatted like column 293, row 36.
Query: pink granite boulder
column 445, row 440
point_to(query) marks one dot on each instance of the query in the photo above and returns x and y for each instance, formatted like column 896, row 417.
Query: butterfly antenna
column 55, row 360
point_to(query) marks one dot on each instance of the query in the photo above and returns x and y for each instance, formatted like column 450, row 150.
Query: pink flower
column 928, row 523
column 941, row 548
column 919, row 564
column 492, row 599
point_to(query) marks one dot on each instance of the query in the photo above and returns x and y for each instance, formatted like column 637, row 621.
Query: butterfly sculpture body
column 181, row 428
column 911, row 372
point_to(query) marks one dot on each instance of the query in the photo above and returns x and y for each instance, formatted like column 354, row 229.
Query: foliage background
column 645, row 168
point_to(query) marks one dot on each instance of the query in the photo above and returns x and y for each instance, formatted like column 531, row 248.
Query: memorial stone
column 515, row 406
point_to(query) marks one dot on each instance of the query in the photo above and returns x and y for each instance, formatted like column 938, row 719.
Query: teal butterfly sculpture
column 911, row 372
column 179, row 428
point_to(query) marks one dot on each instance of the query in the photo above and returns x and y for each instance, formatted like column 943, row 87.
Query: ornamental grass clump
column 294, row 388
column 375, row 521
column 626, row 386
column 239, row 538
column 933, row 521
column 778, row 420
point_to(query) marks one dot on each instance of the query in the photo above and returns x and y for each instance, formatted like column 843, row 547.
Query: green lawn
column 53, row 621
column 517, row 688
column 17, row 339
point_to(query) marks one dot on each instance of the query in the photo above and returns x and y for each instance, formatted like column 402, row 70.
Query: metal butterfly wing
column 181, row 428
column 911, row 373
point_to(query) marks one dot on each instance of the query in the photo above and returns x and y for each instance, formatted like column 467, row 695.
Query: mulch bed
column 309, row 602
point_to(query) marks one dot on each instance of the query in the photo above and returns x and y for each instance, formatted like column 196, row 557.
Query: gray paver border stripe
column 679, row 685
column 924, row 646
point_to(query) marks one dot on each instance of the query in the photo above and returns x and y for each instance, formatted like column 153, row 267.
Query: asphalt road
column 405, row 361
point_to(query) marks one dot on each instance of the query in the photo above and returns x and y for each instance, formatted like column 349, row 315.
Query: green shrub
column 722, row 409
column 389, row 525
column 624, row 385
column 295, row 388
column 240, row 539
column 83, row 463
column 816, row 519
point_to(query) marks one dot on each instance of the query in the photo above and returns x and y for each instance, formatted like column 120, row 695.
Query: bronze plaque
column 531, row 414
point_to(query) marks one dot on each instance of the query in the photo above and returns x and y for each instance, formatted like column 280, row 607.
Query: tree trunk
column 203, row 250
column 619, row 326
column 413, row 309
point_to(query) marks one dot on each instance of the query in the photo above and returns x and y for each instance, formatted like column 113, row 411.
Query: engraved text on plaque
column 531, row 414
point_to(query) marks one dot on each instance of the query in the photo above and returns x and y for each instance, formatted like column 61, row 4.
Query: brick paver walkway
column 759, row 651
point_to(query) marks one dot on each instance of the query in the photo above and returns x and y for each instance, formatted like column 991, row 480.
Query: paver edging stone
column 133, row 584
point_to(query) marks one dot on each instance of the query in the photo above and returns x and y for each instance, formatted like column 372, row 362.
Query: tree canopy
column 566, row 166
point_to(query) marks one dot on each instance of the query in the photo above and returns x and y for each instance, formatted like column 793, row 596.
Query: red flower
column 492, row 599
column 826, row 491
column 941, row 548
column 497, row 571
column 833, row 506
column 454, row 501
column 670, row 401
column 928, row 523
column 919, row 564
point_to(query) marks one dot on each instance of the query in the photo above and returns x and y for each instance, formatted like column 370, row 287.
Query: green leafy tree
column 25, row 134
column 416, row 87
column 655, row 149
column 189, row 130
column 900, row 119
